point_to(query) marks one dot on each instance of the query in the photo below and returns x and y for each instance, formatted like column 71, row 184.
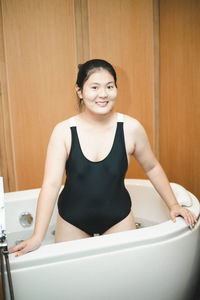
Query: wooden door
column 154, row 46
column 180, row 92
column 122, row 33
column 40, row 61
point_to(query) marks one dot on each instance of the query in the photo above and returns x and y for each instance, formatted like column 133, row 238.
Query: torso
column 94, row 197
column 96, row 141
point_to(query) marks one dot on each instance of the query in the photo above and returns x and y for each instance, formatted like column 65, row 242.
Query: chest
column 96, row 144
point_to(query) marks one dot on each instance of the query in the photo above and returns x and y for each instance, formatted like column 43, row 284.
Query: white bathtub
column 158, row 262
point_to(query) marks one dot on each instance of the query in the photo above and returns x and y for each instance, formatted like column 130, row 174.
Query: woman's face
column 99, row 92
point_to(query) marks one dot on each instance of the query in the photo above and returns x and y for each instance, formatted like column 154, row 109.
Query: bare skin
column 96, row 127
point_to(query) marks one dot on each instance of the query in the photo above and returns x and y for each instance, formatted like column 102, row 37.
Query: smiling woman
column 90, row 68
column 95, row 147
column 99, row 91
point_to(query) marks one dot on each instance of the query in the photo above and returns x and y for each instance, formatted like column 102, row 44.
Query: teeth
column 102, row 102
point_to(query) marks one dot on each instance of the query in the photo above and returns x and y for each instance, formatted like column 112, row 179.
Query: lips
column 102, row 103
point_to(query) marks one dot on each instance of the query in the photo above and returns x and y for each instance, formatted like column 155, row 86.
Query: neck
column 97, row 118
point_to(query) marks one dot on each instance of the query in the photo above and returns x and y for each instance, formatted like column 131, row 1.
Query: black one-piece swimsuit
column 94, row 197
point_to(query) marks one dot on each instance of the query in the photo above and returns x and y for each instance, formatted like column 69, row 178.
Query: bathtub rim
column 77, row 249
column 101, row 244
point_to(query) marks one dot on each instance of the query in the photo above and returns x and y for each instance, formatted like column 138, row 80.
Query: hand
column 188, row 216
column 26, row 246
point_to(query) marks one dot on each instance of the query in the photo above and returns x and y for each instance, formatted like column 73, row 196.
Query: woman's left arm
column 144, row 155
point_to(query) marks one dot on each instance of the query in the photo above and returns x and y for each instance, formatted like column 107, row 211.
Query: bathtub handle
column 26, row 219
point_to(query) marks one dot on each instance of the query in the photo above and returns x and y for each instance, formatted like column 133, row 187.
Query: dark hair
column 91, row 66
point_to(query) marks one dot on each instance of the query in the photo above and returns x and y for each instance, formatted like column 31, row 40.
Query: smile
column 102, row 103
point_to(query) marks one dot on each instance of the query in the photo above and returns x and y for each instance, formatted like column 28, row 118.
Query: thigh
column 126, row 224
column 67, row 232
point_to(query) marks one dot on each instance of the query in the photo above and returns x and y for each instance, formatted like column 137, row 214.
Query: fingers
column 188, row 216
column 26, row 246
column 173, row 218
column 16, row 248
column 174, row 215
column 19, row 249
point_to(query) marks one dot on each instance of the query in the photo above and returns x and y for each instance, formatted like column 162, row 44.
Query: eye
column 94, row 87
column 110, row 87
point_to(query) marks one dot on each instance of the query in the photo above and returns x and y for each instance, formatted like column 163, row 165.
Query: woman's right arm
column 53, row 175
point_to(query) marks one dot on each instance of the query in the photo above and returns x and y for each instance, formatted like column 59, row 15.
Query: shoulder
column 135, row 131
column 63, row 127
column 61, row 130
column 132, row 125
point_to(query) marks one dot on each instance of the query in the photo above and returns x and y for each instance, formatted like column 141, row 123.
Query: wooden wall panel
column 39, row 39
column 41, row 43
column 82, row 30
column 122, row 33
column 6, row 149
column 180, row 92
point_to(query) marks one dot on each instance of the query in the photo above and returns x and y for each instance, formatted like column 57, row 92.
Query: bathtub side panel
column 164, row 271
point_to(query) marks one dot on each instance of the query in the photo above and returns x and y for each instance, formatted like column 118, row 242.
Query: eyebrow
column 106, row 83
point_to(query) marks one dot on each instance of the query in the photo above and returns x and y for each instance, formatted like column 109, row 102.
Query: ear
column 78, row 91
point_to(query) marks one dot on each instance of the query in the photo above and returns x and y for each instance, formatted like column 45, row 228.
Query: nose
column 103, row 92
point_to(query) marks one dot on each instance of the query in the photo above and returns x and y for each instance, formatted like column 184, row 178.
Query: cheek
column 113, row 95
column 89, row 96
column 89, row 99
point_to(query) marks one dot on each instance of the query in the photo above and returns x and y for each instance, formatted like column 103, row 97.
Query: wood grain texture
column 41, row 71
column 180, row 92
column 122, row 33
column 7, row 166
column 82, row 30
column 156, row 57
column 156, row 77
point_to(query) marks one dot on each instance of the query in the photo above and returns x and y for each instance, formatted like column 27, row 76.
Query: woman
column 95, row 146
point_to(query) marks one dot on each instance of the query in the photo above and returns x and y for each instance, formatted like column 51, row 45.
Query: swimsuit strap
column 72, row 122
column 120, row 118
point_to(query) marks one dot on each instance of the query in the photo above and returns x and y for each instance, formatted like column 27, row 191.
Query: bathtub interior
column 147, row 206
column 17, row 203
